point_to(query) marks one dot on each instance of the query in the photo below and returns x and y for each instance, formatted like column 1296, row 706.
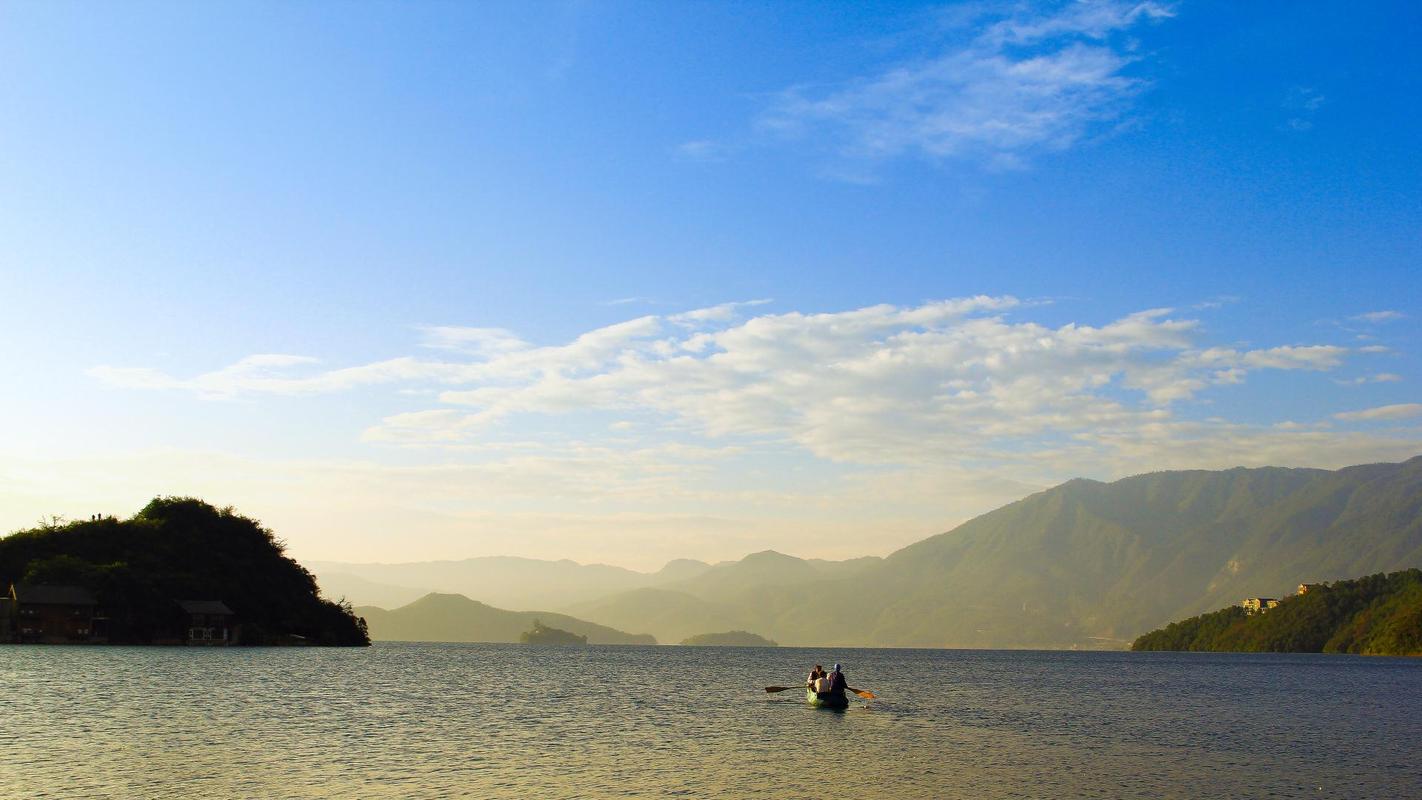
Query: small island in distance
column 728, row 639
column 542, row 634
column 1379, row 615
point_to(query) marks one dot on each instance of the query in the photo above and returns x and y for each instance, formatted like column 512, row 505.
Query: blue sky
column 624, row 282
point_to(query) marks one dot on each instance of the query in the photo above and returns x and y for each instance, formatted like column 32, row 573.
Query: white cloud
column 1026, row 82
column 479, row 341
column 275, row 374
column 717, row 313
column 1309, row 357
column 961, row 382
column 1378, row 316
column 794, row 430
column 1218, row 302
column 1314, row 357
column 883, row 384
column 1381, row 377
column 1392, row 412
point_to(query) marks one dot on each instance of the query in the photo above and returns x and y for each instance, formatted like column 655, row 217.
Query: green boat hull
column 826, row 700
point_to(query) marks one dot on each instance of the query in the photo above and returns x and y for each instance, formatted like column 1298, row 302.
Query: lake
column 484, row 720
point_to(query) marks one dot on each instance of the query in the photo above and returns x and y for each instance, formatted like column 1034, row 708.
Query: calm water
column 405, row 720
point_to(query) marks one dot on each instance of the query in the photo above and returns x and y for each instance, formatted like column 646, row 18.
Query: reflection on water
column 405, row 720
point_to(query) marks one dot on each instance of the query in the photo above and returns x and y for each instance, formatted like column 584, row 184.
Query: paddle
column 864, row 694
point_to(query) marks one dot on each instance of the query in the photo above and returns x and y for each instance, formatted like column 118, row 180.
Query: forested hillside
column 181, row 549
column 1376, row 615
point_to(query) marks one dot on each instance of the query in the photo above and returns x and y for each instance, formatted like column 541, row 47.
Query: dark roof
column 54, row 596
column 204, row 606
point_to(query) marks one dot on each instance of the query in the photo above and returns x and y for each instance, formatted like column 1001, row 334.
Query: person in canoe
column 826, row 690
column 837, row 685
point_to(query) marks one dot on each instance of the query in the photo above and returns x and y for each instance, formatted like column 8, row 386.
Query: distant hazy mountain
column 766, row 568
column 1088, row 559
column 358, row 590
column 507, row 582
column 721, row 597
column 1082, row 564
column 670, row 615
column 455, row 618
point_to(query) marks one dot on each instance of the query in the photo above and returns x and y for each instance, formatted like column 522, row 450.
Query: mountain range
column 503, row 581
column 1083, row 564
column 455, row 618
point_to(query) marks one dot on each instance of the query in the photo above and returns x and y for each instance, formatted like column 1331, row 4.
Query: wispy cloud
column 717, row 313
column 1302, row 103
column 1392, row 412
column 279, row 374
column 1375, row 317
column 1021, row 83
column 1380, row 377
column 1217, row 302
column 958, row 381
column 703, row 150
column 480, row 341
column 938, row 410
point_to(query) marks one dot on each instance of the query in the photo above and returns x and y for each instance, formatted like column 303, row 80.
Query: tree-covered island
column 1378, row 615
column 728, row 639
column 542, row 634
column 179, row 571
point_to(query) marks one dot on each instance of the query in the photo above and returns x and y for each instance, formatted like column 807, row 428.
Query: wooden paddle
column 864, row 694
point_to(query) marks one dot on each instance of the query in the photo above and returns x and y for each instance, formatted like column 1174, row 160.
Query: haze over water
column 419, row 720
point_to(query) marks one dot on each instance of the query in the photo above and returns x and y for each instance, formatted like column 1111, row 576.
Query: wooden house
column 53, row 614
column 210, row 622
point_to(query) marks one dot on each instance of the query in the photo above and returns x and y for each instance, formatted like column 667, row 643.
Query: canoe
column 826, row 699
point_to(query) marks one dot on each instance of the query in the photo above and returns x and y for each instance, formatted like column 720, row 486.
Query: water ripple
column 452, row 721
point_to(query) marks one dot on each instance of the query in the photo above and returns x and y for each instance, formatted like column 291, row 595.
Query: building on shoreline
column 52, row 615
column 55, row 614
column 209, row 622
